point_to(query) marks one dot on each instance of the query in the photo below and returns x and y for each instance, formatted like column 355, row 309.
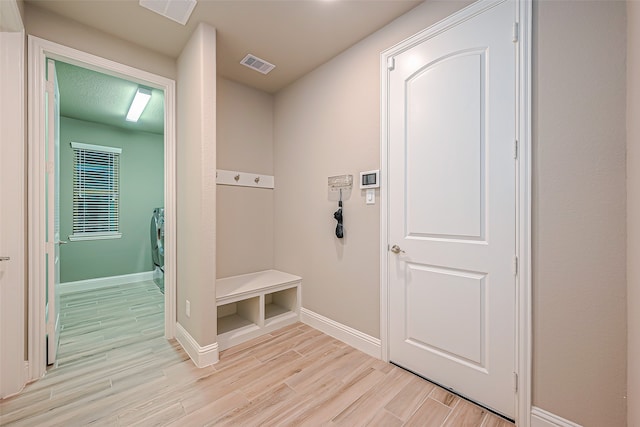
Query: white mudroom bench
column 250, row 305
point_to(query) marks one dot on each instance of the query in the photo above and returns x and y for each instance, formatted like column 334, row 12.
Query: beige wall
column 633, row 212
column 327, row 123
column 49, row 26
column 244, row 215
column 579, row 281
column 13, row 206
column 11, row 16
column 20, row 4
column 196, row 185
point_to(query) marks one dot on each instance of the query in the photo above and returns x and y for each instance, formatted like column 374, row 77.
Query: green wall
column 141, row 190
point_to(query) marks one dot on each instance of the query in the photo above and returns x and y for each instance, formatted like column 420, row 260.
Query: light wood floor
column 116, row 369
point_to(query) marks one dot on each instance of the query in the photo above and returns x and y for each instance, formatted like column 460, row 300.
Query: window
column 96, row 192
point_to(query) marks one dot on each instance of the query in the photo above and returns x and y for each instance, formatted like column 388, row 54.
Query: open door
column 53, row 212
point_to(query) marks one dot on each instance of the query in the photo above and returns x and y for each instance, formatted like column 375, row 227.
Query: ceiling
column 95, row 97
column 295, row 35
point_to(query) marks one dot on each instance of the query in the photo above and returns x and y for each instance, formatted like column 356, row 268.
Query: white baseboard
column 104, row 282
column 363, row 342
column 542, row 418
column 201, row 356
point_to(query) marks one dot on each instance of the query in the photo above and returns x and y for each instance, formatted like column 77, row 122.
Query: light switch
column 371, row 196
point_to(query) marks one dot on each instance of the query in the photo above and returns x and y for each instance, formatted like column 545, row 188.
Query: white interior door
column 53, row 212
column 452, row 208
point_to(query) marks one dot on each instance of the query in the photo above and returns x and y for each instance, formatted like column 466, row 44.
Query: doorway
column 455, row 219
column 110, row 180
column 39, row 51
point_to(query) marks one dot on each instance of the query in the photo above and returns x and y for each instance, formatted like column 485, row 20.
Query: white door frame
column 522, row 34
column 39, row 50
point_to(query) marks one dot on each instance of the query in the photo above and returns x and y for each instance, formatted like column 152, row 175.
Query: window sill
column 94, row 236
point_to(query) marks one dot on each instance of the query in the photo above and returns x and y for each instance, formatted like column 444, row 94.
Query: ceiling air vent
column 257, row 64
column 176, row 10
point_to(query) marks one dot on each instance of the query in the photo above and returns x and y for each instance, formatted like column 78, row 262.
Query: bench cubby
column 250, row 305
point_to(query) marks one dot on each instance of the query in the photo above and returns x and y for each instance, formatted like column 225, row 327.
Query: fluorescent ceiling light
column 138, row 105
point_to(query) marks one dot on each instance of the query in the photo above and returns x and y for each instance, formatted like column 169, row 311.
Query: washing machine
column 157, row 246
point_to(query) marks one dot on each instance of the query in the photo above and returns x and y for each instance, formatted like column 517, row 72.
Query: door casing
column 522, row 149
column 39, row 51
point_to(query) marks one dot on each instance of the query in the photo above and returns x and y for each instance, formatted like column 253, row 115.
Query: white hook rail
column 244, row 179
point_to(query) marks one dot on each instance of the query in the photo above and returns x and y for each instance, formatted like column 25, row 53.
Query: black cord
column 338, row 217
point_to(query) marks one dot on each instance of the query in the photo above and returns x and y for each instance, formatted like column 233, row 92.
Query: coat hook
column 237, row 177
column 257, row 180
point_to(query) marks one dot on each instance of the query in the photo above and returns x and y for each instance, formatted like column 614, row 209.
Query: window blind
column 96, row 191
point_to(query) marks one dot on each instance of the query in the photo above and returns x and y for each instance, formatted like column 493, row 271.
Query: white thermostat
column 370, row 179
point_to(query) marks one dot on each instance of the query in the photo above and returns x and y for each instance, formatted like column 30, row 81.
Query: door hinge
column 49, row 168
column 391, row 63
column 515, row 32
column 515, row 265
column 515, row 149
column 515, row 382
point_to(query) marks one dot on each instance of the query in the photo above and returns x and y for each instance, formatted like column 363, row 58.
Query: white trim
column 523, row 361
column 359, row 340
column 384, row 206
column 36, row 214
column 542, row 418
column 201, row 356
column 524, row 300
column 170, row 209
column 25, row 372
column 104, row 282
column 99, row 148
column 38, row 51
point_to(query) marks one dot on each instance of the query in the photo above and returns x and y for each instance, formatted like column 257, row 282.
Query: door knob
column 62, row 242
column 4, row 258
column 396, row 249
